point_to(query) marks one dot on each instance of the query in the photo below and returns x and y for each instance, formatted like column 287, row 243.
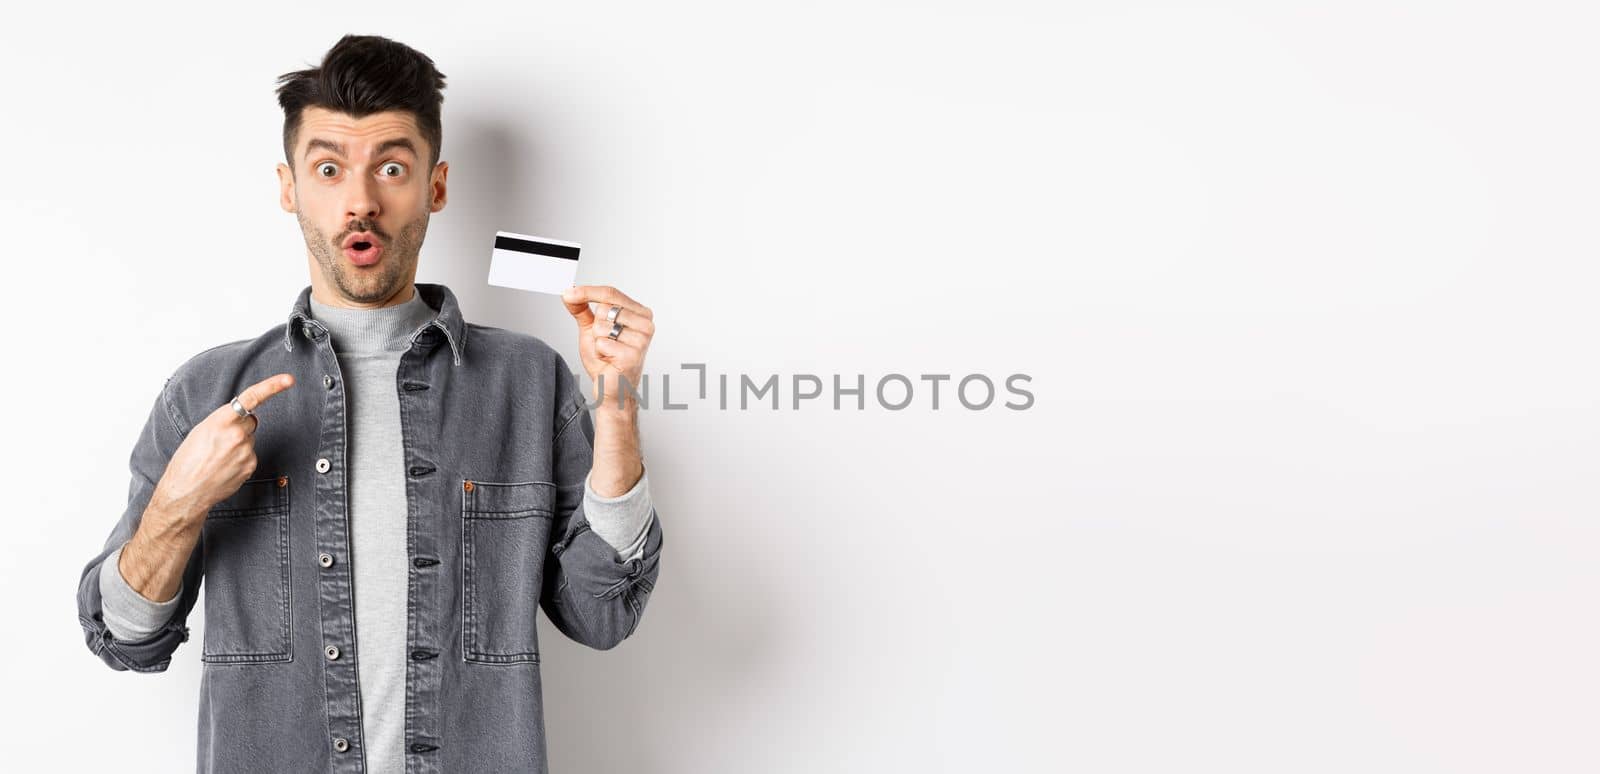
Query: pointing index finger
column 258, row 393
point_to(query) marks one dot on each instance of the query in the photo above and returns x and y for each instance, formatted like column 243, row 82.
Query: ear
column 437, row 185
column 286, row 198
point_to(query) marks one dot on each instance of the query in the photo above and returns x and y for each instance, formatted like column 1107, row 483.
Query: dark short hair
column 362, row 75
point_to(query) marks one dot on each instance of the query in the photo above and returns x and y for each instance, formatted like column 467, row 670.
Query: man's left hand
column 614, row 360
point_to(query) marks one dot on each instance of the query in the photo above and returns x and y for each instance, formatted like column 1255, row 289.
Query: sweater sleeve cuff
column 624, row 520
column 128, row 614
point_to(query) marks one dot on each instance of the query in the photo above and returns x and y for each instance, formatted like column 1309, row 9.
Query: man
column 378, row 495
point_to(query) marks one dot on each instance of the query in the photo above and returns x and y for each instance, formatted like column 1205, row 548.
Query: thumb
column 578, row 305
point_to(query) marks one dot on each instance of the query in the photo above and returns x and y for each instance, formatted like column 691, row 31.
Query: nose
column 361, row 198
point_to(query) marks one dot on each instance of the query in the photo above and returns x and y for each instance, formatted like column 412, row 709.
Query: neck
column 330, row 300
column 384, row 328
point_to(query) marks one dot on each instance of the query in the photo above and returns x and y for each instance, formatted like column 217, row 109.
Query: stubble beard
column 367, row 286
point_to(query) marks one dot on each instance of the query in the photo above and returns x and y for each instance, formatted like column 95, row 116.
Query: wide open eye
column 327, row 169
column 394, row 169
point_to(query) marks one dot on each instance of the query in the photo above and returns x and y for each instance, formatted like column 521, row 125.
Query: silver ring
column 611, row 316
column 239, row 408
column 616, row 330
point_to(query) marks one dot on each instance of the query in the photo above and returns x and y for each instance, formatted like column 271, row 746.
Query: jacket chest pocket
column 246, row 560
column 505, row 531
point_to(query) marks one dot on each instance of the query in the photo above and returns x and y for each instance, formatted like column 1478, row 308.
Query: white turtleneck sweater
column 368, row 344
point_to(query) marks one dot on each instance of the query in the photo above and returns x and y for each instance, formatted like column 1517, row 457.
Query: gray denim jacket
column 498, row 440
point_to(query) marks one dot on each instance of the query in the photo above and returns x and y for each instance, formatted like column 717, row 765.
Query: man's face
column 362, row 194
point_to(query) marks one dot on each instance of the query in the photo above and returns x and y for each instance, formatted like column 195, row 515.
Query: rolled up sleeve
column 128, row 614
column 624, row 520
column 593, row 591
column 137, row 634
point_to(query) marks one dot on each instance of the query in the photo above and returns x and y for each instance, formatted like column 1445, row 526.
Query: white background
column 1305, row 291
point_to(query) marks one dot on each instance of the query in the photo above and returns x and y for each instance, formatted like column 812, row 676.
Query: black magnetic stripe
column 537, row 248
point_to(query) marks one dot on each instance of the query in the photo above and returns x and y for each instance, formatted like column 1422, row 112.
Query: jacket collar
column 434, row 295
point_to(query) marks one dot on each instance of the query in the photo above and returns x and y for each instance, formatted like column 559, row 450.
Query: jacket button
column 332, row 652
column 341, row 744
column 466, row 485
column 327, row 381
column 325, row 559
column 323, row 465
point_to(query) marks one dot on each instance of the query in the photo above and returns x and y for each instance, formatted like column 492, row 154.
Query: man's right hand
column 211, row 463
column 216, row 457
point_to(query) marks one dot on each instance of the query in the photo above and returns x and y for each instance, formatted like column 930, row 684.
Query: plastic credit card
column 535, row 263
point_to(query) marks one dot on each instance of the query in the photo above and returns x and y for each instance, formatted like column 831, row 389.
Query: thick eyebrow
column 338, row 148
column 398, row 142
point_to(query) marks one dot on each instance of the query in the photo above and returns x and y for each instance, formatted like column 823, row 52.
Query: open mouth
column 362, row 249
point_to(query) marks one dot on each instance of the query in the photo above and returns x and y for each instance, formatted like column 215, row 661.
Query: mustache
column 361, row 226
